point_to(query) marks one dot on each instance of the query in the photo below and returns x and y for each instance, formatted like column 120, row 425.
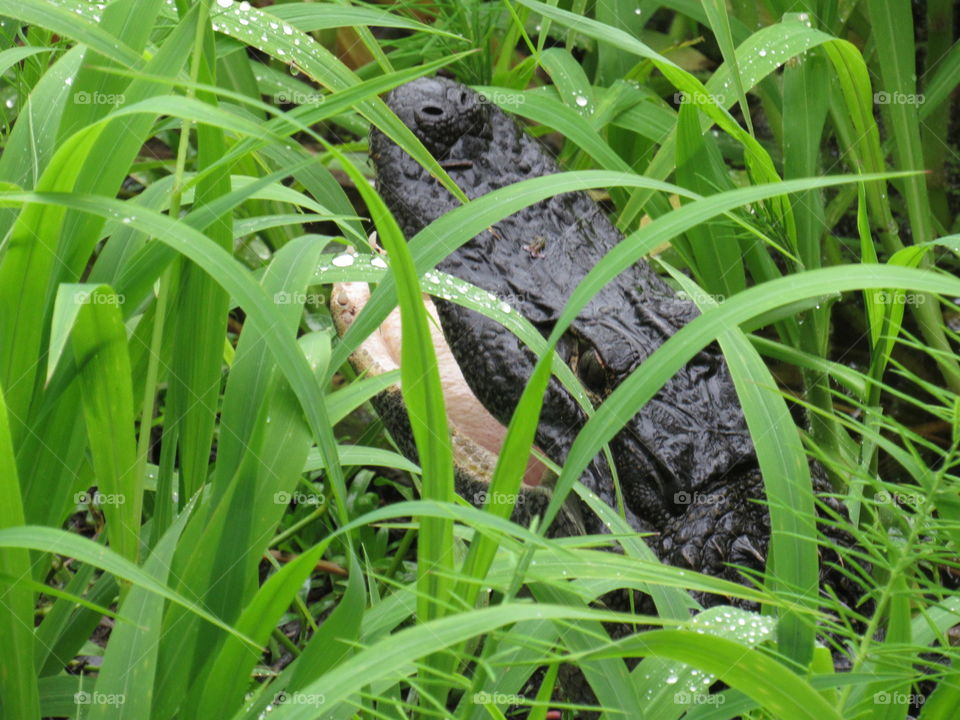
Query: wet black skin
column 685, row 462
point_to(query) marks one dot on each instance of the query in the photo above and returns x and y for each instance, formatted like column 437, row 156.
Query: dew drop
column 671, row 679
column 345, row 260
column 224, row 3
column 287, row 30
column 581, row 101
column 378, row 262
column 763, row 53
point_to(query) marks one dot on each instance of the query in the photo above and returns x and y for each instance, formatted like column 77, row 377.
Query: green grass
column 175, row 181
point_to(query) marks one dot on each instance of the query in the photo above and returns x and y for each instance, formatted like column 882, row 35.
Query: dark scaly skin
column 685, row 462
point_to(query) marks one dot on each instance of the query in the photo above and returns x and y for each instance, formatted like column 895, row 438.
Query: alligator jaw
column 477, row 435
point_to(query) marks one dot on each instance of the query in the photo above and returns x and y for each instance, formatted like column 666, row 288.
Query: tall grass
column 190, row 528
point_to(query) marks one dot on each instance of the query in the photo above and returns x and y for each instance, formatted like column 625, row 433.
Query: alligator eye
column 591, row 371
column 431, row 110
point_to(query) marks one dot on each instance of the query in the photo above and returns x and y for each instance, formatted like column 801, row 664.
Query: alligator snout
column 439, row 111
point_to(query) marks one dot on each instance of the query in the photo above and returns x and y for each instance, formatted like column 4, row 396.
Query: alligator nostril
column 431, row 110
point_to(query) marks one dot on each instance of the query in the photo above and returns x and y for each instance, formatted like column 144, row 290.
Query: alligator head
column 690, row 435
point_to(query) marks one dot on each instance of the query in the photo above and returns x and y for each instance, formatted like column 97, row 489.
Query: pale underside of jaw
column 380, row 353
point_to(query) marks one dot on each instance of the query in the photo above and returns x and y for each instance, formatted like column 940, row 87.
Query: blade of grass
column 76, row 546
column 892, row 24
column 716, row 12
column 18, row 682
column 423, row 397
column 236, row 280
column 100, row 350
column 130, row 660
column 782, row 692
column 793, row 564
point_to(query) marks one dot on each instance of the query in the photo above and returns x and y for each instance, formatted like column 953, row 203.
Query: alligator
column 685, row 461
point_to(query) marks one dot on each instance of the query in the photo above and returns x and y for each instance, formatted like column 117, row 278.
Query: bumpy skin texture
column 389, row 405
column 685, row 461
